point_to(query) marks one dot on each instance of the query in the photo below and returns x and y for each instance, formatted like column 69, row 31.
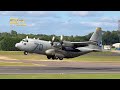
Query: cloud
column 108, row 19
column 50, row 13
column 68, row 23
column 86, row 13
column 28, row 13
column 13, row 13
column 101, row 22
column 81, row 13
column 98, row 24
column 31, row 25
column 90, row 24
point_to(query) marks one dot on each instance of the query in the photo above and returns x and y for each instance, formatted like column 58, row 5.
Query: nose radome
column 50, row 52
column 16, row 45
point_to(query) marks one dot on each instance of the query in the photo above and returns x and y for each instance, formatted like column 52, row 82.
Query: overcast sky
column 60, row 22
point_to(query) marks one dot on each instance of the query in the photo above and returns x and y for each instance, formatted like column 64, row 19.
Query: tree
column 8, row 40
column 13, row 33
column 8, row 43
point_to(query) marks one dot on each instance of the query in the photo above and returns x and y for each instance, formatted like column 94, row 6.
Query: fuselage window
column 24, row 43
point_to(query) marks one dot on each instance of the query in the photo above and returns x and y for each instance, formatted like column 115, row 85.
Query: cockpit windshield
column 25, row 40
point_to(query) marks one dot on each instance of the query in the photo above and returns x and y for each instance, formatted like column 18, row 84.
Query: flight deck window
column 25, row 40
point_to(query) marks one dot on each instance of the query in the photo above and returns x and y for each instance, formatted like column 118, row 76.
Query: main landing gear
column 54, row 57
column 25, row 53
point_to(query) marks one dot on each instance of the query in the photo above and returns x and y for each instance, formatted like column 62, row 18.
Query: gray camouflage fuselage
column 68, row 50
column 40, row 47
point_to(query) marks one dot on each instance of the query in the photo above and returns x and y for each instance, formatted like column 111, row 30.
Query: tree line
column 8, row 40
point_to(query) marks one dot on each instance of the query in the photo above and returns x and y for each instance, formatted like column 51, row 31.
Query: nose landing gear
column 25, row 53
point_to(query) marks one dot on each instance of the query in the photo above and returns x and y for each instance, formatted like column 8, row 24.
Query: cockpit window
column 25, row 40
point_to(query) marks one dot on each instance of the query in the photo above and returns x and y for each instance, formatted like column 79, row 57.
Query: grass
column 15, row 64
column 98, row 56
column 20, row 56
column 60, row 76
column 94, row 56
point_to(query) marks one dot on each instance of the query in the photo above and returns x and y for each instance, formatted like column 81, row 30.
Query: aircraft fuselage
column 40, row 47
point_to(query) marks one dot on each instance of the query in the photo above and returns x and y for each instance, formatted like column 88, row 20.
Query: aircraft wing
column 80, row 44
column 75, row 44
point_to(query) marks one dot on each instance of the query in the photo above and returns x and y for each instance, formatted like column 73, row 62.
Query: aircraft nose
column 19, row 46
column 16, row 45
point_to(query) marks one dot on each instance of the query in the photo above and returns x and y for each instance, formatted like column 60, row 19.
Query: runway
column 60, row 67
column 56, row 70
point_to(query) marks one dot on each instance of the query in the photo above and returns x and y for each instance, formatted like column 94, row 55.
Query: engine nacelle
column 67, row 44
column 59, row 55
column 50, row 52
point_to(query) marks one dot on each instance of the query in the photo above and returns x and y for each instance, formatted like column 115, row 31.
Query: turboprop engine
column 50, row 52
column 60, row 44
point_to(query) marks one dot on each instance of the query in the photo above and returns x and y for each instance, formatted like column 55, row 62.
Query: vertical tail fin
column 97, row 39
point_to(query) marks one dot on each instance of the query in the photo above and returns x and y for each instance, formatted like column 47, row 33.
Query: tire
column 53, row 57
column 56, row 58
column 25, row 53
column 48, row 57
column 60, row 58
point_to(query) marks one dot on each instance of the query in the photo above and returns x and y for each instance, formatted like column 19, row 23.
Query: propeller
column 61, row 39
column 52, row 41
column 58, row 45
column 53, row 38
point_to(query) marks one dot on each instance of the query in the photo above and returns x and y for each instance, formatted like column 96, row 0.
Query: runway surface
column 46, row 66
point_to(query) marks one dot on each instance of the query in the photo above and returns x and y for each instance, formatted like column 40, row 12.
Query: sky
column 60, row 22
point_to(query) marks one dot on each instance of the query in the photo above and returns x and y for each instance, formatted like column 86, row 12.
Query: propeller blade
column 61, row 38
column 53, row 38
column 26, row 37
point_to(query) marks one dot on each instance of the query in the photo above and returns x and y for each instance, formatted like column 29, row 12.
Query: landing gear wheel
column 53, row 57
column 49, row 57
column 56, row 58
column 61, row 58
column 25, row 53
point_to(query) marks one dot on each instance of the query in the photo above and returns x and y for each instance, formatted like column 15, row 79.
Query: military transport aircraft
column 62, row 49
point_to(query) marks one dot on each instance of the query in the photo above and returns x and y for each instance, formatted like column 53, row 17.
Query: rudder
column 96, row 40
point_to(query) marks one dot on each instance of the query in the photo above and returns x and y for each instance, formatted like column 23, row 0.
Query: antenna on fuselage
column 26, row 37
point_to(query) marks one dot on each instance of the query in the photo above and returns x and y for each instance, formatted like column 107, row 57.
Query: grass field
column 97, row 58
column 20, row 56
column 60, row 76
column 94, row 56
column 15, row 64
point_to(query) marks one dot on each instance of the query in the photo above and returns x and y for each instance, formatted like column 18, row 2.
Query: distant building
column 107, row 47
column 116, row 45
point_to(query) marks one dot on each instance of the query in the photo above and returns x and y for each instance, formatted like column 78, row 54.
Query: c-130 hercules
column 62, row 49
